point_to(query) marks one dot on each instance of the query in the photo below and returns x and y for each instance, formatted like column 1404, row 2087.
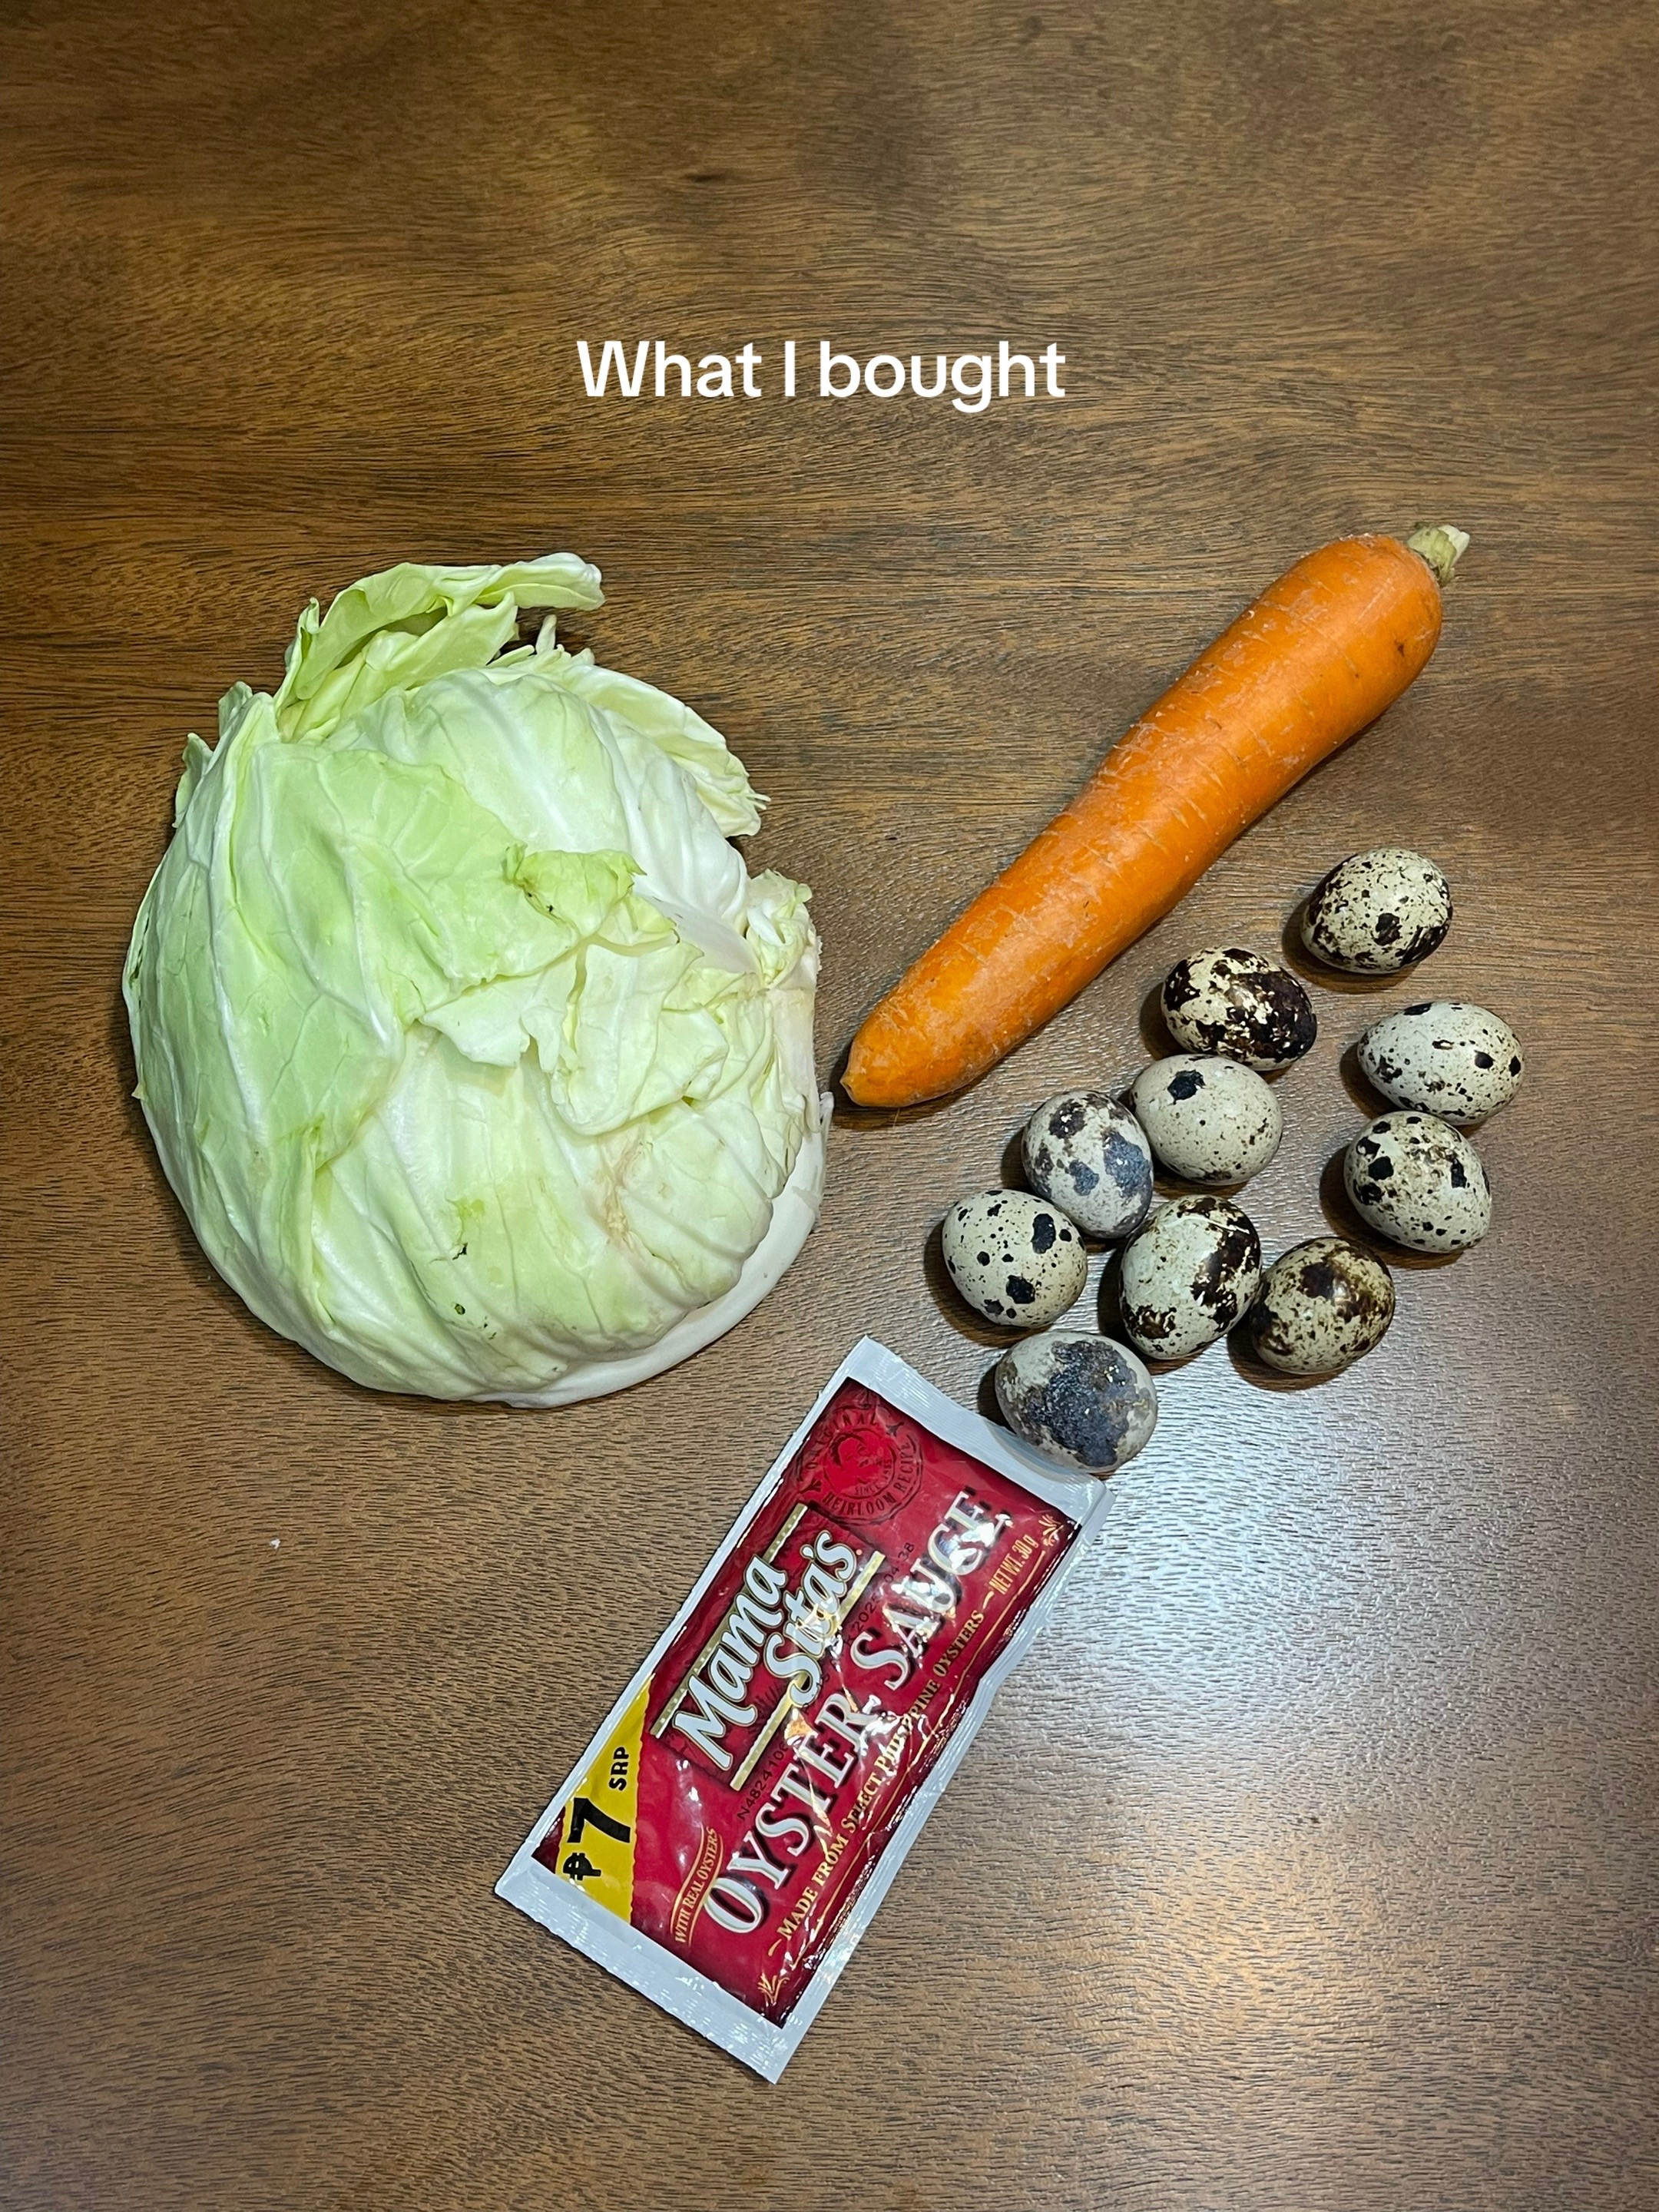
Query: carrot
column 1320, row 654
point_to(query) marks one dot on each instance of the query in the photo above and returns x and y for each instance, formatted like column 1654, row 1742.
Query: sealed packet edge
column 646, row 1966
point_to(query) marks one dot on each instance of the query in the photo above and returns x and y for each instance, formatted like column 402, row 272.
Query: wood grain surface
column 1310, row 1860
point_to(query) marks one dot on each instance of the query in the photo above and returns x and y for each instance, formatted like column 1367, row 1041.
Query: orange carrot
column 1320, row 654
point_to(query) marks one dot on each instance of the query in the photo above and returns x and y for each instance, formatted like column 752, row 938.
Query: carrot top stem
column 1441, row 545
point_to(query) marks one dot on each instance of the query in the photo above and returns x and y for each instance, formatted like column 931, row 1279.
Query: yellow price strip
column 596, row 1852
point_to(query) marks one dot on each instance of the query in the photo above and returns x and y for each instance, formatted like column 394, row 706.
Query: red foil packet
column 727, row 1835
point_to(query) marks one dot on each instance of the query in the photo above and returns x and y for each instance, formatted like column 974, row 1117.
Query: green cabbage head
column 479, row 1062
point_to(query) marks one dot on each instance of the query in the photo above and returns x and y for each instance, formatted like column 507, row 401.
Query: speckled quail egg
column 1088, row 1154
column 1188, row 1276
column 1416, row 1181
column 1446, row 1058
column 1017, row 1260
column 1240, row 1005
column 1081, row 1401
column 1322, row 1304
column 1378, row 912
column 1209, row 1121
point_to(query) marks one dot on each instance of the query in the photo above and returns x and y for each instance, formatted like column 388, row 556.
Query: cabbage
column 480, row 1064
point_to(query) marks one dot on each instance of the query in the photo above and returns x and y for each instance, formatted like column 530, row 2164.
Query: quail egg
column 1081, row 1401
column 1240, row 1005
column 1088, row 1154
column 1188, row 1276
column 1378, row 912
column 1446, row 1058
column 1017, row 1260
column 1209, row 1121
column 1322, row 1304
column 1416, row 1181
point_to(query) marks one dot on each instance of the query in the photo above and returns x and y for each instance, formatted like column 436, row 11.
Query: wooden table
column 1309, row 1861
